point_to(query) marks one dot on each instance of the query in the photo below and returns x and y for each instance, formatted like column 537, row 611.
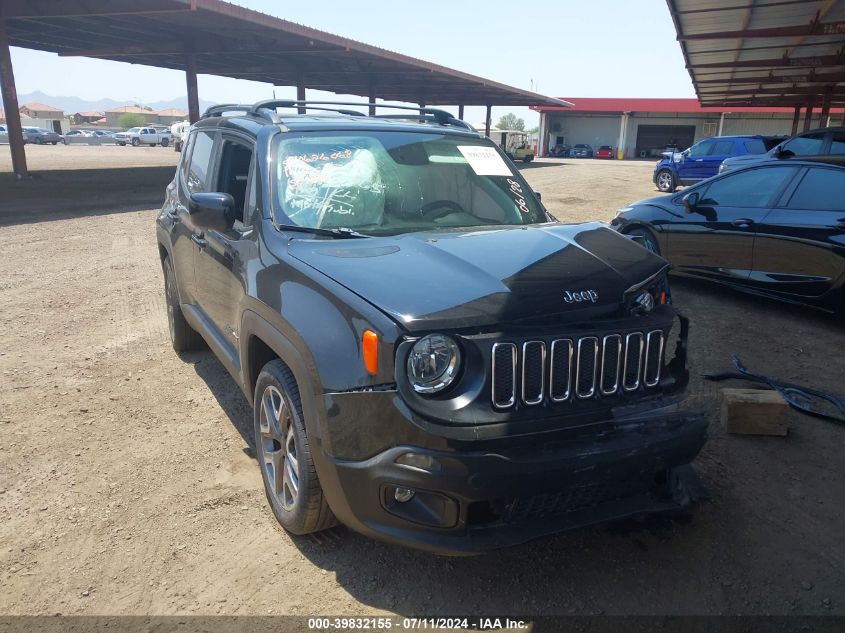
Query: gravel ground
column 128, row 484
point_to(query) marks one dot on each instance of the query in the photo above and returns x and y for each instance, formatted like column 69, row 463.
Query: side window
column 753, row 188
column 820, row 189
column 701, row 149
column 807, row 145
column 722, row 148
column 755, row 146
column 196, row 177
column 837, row 143
column 233, row 173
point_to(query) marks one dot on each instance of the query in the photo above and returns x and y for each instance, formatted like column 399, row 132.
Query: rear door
column 800, row 246
column 719, row 151
column 193, row 175
column 716, row 240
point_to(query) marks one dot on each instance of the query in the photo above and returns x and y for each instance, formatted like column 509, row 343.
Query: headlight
column 433, row 363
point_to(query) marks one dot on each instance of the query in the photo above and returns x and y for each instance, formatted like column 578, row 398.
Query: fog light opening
column 403, row 495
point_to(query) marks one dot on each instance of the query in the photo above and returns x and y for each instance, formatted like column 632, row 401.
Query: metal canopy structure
column 766, row 53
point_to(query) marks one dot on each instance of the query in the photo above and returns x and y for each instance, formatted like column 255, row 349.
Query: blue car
column 702, row 160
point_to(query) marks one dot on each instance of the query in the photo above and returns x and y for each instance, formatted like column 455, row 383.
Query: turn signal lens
column 370, row 348
column 663, row 298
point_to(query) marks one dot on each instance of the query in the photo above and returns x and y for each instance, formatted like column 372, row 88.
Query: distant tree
column 510, row 122
column 128, row 120
column 534, row 129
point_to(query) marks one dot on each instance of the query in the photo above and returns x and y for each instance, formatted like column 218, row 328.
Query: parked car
column 40, row 136
column 580, row 150
column 431, row 359
column 4, row 134
column 605, row 151
column 559, row 151
column 143, row 136
column 818, row 143
column 702, row 160
column 774, row 228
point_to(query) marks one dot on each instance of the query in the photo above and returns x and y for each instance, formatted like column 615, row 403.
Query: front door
column 691, row 167
column 799, row 250
column 719, row 151
column 716, row 240
column 221, row 264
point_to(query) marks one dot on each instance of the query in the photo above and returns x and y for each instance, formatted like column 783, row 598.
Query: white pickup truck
column 143, row 136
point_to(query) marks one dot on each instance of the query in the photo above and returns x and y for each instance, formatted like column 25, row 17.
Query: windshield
column 382, row 183
column 133, row 130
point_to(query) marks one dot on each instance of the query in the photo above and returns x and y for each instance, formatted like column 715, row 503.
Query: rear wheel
column 646, row 239
column 665, row 181
column 183, row 337
column 165, row 142
column 284, row 454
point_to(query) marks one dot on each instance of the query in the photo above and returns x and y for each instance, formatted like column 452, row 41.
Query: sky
column 561, row 48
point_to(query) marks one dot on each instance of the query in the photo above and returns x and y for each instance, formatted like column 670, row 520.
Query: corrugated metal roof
column 228, row 40
column 763, row 52
column 622, row 104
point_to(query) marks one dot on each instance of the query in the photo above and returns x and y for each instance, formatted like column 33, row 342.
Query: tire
column 527, row 159
column 55, row 142
column 136, row 142
column 183, row 337
column 665, row 181
column 299, row 507
column 647, row 239
column 122, row 144
column 40, row 141
column 165, row 142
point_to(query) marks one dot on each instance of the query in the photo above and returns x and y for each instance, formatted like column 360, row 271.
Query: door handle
column 743, row 222
column 699, row 160
column 199, row 241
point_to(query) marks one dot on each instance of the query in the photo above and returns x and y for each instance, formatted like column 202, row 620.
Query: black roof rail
column 440, row 117
column 452, row 121
column 218, row 110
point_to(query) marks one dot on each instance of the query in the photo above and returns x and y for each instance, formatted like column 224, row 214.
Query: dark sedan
column 581, row 151
column 40, row 136
column 773, row 228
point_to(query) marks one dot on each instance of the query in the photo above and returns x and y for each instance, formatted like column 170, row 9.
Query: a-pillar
column 10, row 104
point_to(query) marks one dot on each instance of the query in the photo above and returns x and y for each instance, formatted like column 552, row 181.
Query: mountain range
column 71, row 105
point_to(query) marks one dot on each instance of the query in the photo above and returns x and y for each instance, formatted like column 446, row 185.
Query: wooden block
column 754, row 412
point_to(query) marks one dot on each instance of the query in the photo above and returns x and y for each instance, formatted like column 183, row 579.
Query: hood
column 745, row 160
column 452, row 279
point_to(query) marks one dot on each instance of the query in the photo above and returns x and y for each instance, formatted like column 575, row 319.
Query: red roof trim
column 619, row 105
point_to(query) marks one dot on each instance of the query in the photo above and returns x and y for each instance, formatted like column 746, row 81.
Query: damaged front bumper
column 463, row 502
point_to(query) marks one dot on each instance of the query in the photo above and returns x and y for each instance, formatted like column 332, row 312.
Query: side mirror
column 214, row 211
column 539, row 196
column 691, row 201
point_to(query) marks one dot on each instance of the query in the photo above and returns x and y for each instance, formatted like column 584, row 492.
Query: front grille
column 569, row 369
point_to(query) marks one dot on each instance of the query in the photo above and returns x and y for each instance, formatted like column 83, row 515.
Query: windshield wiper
column 340, row 232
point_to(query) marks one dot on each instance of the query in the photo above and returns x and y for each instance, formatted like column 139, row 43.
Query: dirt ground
column 128, row 483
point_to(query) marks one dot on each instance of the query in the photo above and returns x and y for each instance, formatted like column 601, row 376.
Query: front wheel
column 646, row 239
column 122, row 144
column 136, row 142
column 284, row 454
column 665, row 181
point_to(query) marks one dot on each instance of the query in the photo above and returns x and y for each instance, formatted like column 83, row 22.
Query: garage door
column 654, row 139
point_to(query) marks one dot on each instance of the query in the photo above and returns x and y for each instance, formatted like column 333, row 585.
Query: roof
column 218, row 38
column 623, row 104
column 130, row 110
column 172, row 112
column 90, row 114
column 763, row 52
column 40, row 107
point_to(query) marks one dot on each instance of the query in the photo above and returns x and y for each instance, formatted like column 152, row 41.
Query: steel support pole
column 300, row 91
column 10, row 104
column 795, row 118
column 371, row 97
column 489, row 120
column 825, row 110
column 461, row 111
column 193, row 92
column 808, row 115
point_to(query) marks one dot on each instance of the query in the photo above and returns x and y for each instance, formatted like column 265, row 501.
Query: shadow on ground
column 73, row 193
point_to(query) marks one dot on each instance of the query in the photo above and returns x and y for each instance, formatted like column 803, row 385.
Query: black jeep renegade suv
column 432, row 359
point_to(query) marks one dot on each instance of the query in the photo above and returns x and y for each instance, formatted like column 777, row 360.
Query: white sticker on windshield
column 485, row 161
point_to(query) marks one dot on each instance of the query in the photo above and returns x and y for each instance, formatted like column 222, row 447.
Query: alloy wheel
column 277, row 447
column 664, row 181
